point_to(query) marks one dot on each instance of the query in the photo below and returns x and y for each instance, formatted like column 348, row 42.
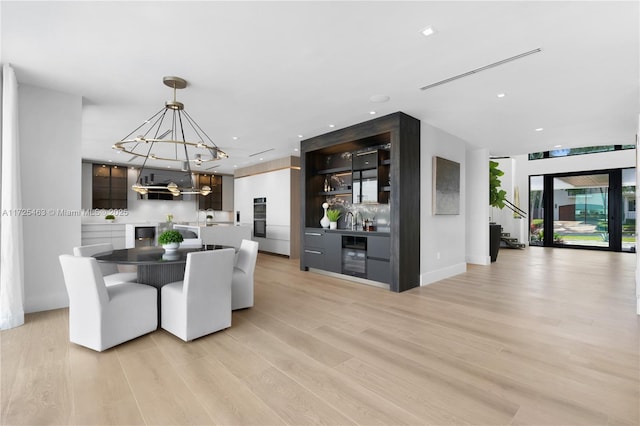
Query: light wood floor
column 542, row 337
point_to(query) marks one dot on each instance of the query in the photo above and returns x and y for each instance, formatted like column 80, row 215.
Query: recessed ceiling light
column 332, row 125
column 428, row 31
column 557, row 146
column 235, row 166
column 300, row 136
column 295, row 149
column 379, row 98
column 539, row 129
column 111, row 161
column 261, row 159
column 500, row 95
column 372, row 112
column 235, row 138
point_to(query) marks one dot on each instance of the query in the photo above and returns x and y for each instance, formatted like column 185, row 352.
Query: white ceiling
column 266, row 72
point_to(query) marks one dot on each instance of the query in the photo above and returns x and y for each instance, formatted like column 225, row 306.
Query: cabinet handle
column 315, row 234
column 313, row 251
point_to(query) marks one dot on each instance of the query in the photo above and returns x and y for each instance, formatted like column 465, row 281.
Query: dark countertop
column 358, row 232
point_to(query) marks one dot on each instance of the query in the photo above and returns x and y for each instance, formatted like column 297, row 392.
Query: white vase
column 170, row 247
column 333, row 225
column 324, row 222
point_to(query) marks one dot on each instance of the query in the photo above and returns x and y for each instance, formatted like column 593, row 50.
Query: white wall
column 50, row 135
column 442, row 237
column 477, row 212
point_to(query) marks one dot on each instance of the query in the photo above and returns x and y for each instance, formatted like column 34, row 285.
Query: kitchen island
column 219, row 233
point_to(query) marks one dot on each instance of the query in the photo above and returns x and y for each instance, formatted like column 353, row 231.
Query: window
column 565, row 152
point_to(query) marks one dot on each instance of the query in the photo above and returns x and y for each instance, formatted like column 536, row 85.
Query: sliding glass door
column 581, row 210
column 587, row 210
column 628, row 209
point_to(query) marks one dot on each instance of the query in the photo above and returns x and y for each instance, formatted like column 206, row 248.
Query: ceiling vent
column 477, row 70
column 261, row 152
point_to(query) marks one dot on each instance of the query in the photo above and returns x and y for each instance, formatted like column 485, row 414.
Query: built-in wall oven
column 260, row 217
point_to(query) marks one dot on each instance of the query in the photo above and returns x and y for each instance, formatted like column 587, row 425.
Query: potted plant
column 209, row 218
column 170, row 240
column 496, row 199
column 496, row 195
column 333, row 215
column 110, row 218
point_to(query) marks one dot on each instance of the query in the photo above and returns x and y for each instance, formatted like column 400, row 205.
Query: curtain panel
column 11, row 242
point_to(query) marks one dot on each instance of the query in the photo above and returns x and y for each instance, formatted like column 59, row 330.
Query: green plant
column 209, row 216
column 110, row 217
column 496, row 195
column 334, row 215
column 168, row 237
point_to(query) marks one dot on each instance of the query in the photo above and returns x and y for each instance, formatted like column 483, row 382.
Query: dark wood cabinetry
column 109, row 187
column 313, row 248
column 333, row 252
column 214, row 200
column 332, row 165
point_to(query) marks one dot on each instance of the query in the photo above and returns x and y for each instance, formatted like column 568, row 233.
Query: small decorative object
column 110, row 218
column 209, row 218
column 333, row 215
column 326, row 185
column 170, row 240
column 170, row 255
column 169, row 218
column 324, row 222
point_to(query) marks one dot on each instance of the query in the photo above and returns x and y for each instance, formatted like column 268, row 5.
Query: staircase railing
column 515, row 209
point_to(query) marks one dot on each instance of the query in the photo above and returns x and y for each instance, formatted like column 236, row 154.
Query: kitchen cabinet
column 99, row 233
column 214, row 200
column 313, row 249
column 109, row 187
column 382, row 157
column 280, row 188
column 333, row 252
column 378, row 259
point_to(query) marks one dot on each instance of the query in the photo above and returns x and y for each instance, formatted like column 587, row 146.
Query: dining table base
column 159, row 275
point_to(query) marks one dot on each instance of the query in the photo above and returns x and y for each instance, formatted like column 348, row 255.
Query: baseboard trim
column 478, row 260
column 443, row 273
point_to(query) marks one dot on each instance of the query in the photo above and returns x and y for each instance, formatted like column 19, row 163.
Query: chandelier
column 162, row 137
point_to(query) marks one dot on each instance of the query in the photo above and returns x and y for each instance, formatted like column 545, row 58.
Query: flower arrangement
column 168, row 237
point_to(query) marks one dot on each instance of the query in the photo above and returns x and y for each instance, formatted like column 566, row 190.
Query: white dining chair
column 110, row 271
column 201, row 303
column 101, row 317
column 242, row 281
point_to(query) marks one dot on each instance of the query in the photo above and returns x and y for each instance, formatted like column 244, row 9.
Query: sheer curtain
column 637, row 204
column 11, row 250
